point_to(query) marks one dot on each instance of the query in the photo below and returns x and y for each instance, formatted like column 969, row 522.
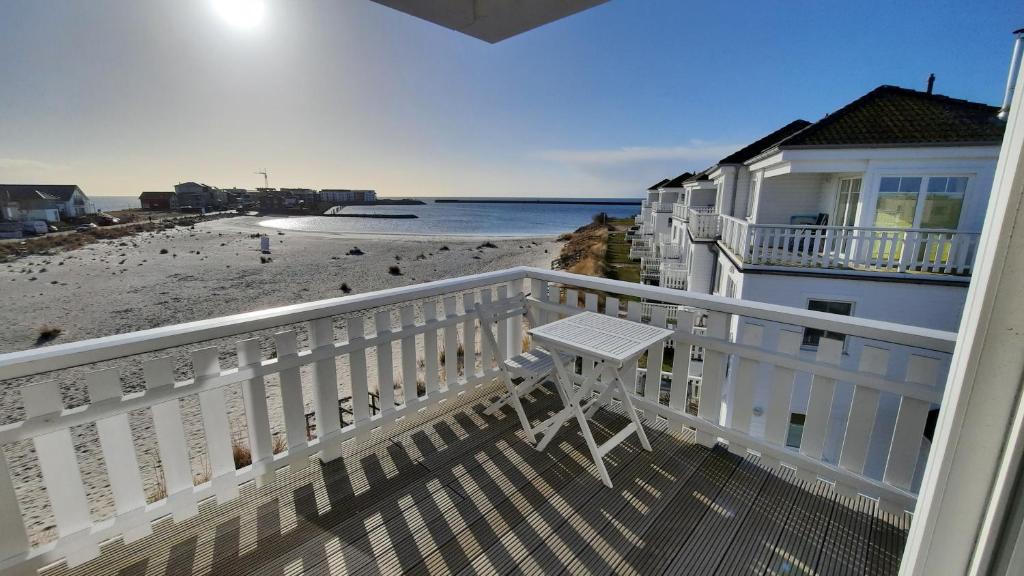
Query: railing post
column 325, row 387
column 257, row 416
column 13, row 538
column 713, row 378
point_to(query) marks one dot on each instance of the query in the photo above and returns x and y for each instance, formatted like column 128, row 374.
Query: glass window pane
column 889, row 184
column 910, row 185
column 943, row 202
column 895, row 209
column 937, row 184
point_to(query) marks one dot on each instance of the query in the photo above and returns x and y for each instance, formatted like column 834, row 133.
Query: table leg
column 563, row 383
column 627, row 403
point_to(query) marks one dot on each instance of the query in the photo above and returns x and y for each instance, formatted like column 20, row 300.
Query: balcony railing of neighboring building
column 398, row 332
column 680, row 211
column 650, row 268
column 641, row 247
column 872, row 249
column 703, row 223
column 673, row 274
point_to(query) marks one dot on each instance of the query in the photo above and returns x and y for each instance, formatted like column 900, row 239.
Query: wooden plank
column 170, row 435
column 257, row 414
column 591, row 305
column 451, row 344
column 58, row 463
column 355, row 328
column 385, row 362
column 713, row 378
column 292, row 403
column 469, row 334
column 909, row 432
column 777, row 416
column 655, row 358
column 501, row 328
column 515, row 324
column 119, row 456
column 819, row 405
column 863, row 410
column 743, row 387
column 680, row 363
column 409, row 373
column 538, row 291
column 800, row 542
column 634, row 311
column 325, row 388
column 205, row 364
column 14, row 537
column 431, row 366
column 487, row 351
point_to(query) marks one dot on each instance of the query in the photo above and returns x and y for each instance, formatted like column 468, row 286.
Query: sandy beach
column 184, row 274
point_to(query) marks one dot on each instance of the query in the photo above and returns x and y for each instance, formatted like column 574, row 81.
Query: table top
column 599, row 336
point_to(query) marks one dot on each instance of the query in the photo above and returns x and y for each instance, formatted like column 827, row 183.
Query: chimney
column 1011, row 79
column 931, row 83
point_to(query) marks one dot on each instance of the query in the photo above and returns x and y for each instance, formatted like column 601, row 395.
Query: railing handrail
column 748, row 224
column 72, row 354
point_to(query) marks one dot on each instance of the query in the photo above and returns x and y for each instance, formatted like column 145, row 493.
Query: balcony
column 673, row 274
column 123, row 457
column 704, row 223
column 680, row 211
column 641, row 248
column 876, row 250
column 650, row 267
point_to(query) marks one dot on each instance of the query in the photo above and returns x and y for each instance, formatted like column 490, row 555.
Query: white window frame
column 921, row 193
column 832, row 300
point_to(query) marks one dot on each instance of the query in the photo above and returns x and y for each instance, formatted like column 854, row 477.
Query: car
column 85, row 227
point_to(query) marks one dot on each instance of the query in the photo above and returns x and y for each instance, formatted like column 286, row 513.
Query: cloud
column 25, row 164
column 629, row 169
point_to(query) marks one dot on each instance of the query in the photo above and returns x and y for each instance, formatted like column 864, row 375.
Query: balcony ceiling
column 491, row 20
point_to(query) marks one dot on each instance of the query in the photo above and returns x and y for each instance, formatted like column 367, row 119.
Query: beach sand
column 214, row 269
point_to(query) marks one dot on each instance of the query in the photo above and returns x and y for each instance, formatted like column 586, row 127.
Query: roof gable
column 890, row 115
column 59, row 192
column 659, row 184
column 677, row 182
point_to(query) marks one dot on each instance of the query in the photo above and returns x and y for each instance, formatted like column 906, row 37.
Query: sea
column 517, row 218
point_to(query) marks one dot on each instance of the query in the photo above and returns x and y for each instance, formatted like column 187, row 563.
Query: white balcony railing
column 650, row 268
column 852, row 248
column 703, row 223
column 673, row 274
column 392, row 339
column 680, row 211
column 641, row 247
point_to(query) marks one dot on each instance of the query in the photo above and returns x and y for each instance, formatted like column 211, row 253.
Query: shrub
column 47, row 333
column 487, row 244
column 394, row 270
column 355, row 251
column 444, row 249
column 345, row 288
column 164, row 250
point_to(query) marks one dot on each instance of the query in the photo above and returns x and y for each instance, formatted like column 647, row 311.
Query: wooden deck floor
column 463, row 493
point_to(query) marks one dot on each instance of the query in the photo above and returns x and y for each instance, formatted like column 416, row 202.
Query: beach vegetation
column 394, row 270
column 47, row 333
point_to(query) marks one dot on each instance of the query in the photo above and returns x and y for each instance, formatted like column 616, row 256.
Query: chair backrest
column 491, row 313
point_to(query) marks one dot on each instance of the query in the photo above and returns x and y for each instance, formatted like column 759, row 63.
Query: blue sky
column 124, row 96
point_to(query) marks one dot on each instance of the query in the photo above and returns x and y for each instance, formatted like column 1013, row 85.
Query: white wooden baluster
column 13, row 538
column 61, row 476
column 909, row 432
column 680, row 362
column 257, row 415
column 430, row 350
column 634, row 312
column 515, row 323
column 655, row 358
column 502, row 328
column 469, row 335
column 385, row 362
column 408, row 317
column 819, row 406
column 170, row 435
column 554, row 297
column 538, row 291
column 119, row 456
column 711, row 385
column 292, row 403
column 355, row 328
column 486, row 350
column 860, row 424
column 325, row 388
column 778, row 415
column 743, row 389
column 205, row 364
column 451, row 344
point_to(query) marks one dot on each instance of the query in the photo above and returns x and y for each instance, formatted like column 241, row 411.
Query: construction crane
column 265, row 180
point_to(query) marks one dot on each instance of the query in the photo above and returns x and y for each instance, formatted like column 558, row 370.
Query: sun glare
column 241, row 13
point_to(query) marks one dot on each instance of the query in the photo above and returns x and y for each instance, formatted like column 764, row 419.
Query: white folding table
column 610, row 342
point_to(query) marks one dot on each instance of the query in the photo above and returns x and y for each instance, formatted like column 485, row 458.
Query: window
column 943, row 201
column 897, row 201
column 847, row 201
column 796, row 430
column 813, row 335
column 919, row 202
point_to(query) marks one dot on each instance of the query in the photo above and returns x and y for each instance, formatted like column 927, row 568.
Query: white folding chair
column 530, row 368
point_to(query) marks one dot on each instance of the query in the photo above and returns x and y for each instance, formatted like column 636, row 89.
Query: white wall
column 780, row 197
column 701, row 268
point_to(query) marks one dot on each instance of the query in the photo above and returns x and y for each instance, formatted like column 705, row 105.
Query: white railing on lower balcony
column 865, row 411
column 650, row 267
column 673, row 274
column 641, row 247
column 851, row 248
column 703, row 223
column 680, row 211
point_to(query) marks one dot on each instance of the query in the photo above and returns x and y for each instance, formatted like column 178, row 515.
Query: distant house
column 34, row 201
column 159, row 200
column 200, row 196
column 344, row 196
